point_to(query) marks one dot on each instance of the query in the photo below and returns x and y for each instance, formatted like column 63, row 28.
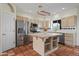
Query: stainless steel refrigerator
column 21, row 32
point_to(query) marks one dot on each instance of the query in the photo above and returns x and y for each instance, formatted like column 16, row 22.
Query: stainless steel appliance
column 21, row 32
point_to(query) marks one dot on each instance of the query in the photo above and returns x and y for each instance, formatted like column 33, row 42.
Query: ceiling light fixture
column 41, row 11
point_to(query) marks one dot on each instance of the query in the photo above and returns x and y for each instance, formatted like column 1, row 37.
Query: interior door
column 8, row 31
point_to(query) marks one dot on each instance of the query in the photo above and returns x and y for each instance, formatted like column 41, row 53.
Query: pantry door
column 8, row 31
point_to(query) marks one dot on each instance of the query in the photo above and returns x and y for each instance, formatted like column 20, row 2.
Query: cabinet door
column 64, row 23
column 71, row 21
column 68, row 22
column 69, row 39
column 8, row 31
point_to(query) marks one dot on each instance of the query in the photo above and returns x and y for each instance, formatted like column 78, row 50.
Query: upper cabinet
column 43, row 24
column 68, row 22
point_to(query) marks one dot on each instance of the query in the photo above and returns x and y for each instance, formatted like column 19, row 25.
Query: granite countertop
column 44, row 35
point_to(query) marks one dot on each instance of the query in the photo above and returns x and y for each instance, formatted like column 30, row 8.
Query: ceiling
column 31, row 8
column 50, row 7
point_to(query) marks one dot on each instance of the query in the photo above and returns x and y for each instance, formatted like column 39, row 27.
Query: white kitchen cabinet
column 64, row 23
column 7, row 30
column 72, row 21
column 45, row 43
column 68, row 22
column 69, row 39
column 51, row 43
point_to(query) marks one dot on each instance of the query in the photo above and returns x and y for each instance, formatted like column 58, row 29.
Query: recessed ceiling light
column 63, row 8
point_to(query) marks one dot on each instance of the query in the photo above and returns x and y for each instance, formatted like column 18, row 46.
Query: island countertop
column 45, row 34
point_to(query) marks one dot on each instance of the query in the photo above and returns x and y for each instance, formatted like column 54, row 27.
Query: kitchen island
column 45, row 43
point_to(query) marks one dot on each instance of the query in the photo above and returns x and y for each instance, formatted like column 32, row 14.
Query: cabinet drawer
column 69, row 42
column 68, row 35
column 68, row 38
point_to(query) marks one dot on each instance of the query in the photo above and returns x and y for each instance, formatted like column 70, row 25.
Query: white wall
column 0, row 32
column 77, row 41
column 77, row 31
column 5, row 7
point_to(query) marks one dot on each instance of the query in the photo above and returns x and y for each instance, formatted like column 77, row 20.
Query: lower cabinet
column 69, row 39
column 45, row 46
column 51, row 43
column 69, row 42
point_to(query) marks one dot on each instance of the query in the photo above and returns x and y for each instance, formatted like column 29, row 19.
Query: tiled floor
column 27, row 50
